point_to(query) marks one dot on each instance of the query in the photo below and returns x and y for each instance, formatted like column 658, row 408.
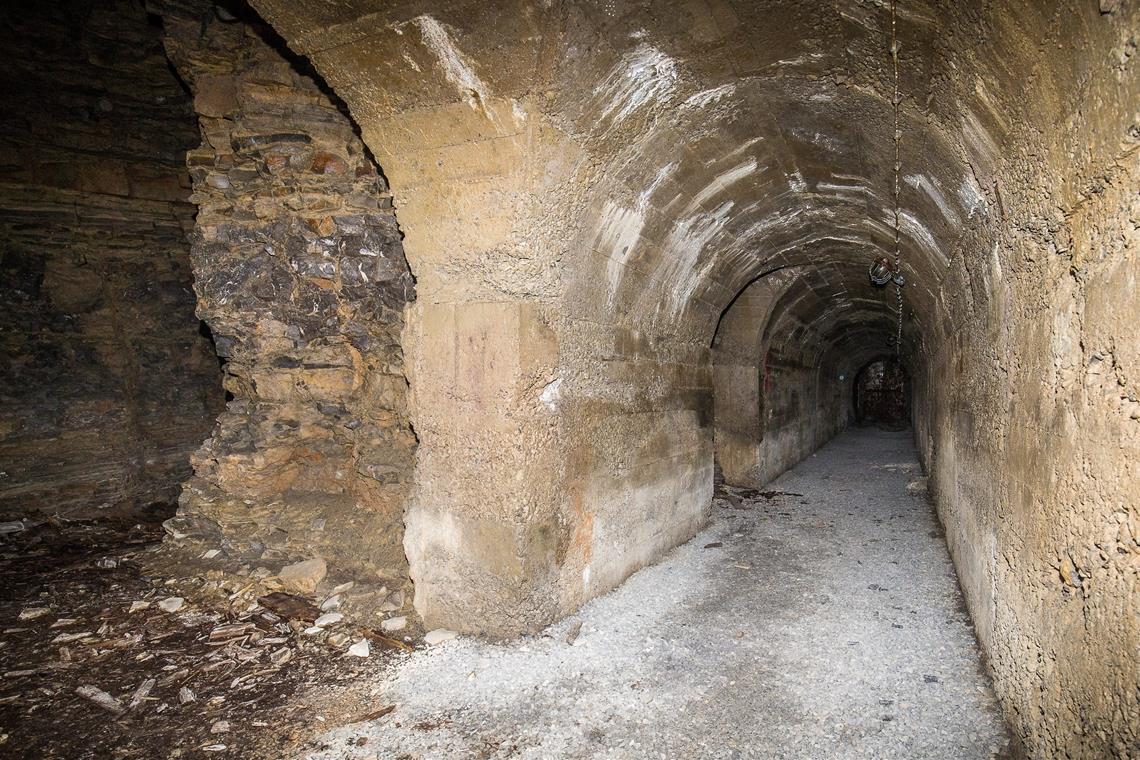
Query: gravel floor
column 827, row 623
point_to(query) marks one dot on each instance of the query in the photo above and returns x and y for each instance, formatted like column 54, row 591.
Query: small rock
column 304, row 577
column 327, row 619
column 11, row 526
column 338, row 640
column 171, row 604
column 394, row 602
column 332, row 603
column 185, row 696
column 67, row 638
column 360, row 649
column 136, row 606
column 33, row 612
column 394, row 624
column 343, row 588
column 220, row 727
column 573, row 631
column 438, row 636
column 106, row 563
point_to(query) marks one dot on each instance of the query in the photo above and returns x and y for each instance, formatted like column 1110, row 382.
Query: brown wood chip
column 374, row 714
column 289, row 606
column 386, row 642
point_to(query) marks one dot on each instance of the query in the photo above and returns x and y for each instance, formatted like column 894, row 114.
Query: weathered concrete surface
column 776, row 399
column 1027, row 412
column 632, row 224
column 825, row 624
column 614, row 177
column 106, row 386
column 301, row 276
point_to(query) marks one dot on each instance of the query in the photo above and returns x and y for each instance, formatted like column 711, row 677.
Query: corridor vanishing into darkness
column 357, row 350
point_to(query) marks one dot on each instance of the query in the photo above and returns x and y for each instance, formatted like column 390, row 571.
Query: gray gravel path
column 826, row 625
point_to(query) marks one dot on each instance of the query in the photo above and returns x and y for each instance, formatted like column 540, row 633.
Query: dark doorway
column 882, row 395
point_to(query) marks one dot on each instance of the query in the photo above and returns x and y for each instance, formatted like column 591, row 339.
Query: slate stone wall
column 301, row 276
column 107, row 384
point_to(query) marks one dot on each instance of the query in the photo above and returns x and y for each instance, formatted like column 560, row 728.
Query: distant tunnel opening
column 882, row 395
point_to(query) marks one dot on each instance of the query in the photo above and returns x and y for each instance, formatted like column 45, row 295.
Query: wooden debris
column 141, row 693
column 100, row 698
column 231, row 631
column 374, row 715
column 386, row 642
column 290, row 606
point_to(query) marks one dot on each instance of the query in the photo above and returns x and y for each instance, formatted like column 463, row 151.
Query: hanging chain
column 898, row 167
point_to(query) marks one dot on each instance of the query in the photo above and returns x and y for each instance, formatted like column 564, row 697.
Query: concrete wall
column 586, row 190
column 778, row 391
column 1026, row 409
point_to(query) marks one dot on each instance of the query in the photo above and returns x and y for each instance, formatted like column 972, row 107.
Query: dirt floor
column 817, row 619
column 96, row 662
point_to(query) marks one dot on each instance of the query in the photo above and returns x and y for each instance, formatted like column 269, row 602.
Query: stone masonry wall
column 107, row 385
column 301, row 276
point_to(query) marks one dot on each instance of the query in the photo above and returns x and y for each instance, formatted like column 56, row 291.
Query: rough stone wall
column 300, row 274
column 106, row 386
column 1027, row 409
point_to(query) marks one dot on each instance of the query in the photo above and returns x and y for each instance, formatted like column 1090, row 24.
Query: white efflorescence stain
column 796, row 182
column 910, row 226
column 978, row 140
column 620, row 230
column 644, row 75
column 706, row 98
column 551, row 395
column 723, row 181
column 837, row 190
column 933, row 190
column 995, row 264
column 683, row 250
column 456, row 67
column 971, row 197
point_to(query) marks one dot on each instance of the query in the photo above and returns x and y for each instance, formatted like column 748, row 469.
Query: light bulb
column 880, row 271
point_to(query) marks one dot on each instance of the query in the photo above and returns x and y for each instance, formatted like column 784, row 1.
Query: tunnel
column 486, row 310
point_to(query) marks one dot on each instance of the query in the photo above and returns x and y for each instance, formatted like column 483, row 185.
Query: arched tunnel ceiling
column 702, row 144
